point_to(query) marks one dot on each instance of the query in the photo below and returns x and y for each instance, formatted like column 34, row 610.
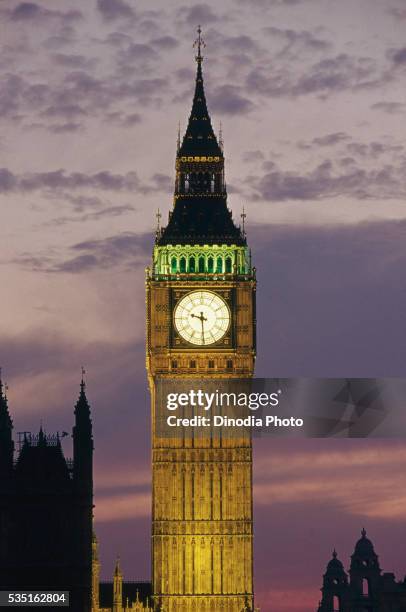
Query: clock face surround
column 202, row 317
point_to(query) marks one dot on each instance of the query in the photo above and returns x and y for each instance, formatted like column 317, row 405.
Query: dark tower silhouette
column 367, row 590
column 83, row 494
column 335, row 585
column 365, row 574
column 46, row 510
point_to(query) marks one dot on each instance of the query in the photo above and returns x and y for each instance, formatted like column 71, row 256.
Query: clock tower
column 201, row 324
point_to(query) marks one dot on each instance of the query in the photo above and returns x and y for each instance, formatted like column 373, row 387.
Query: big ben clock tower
column 201, row 324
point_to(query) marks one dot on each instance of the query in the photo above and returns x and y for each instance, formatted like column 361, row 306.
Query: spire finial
column 334, row 554
column 221, row 141
column 178, row 141
column 199, row 44
column 363, row 532
column 243, row 217
column 117, row 570
column 158, row 221
column 82, row 382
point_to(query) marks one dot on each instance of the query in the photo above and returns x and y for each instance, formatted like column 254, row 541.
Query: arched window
column 201, row 264
column 229, row 264
column 336, row 603
column 210, row 265
column 219, row 266
column 193, row 178
column 173, row 265
column 213, row 183
column 192, row 264
column 182, row 265
column 186, row 183
column 365, row 587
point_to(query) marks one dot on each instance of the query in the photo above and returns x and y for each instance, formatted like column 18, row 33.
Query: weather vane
column 199, row 44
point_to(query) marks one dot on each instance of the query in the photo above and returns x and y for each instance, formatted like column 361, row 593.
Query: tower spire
column 83, row 442
column 200, row 212
column 199, row 139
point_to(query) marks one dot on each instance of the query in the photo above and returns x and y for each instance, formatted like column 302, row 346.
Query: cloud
column 73, row 61
column 228, row 99
column 137, row 52
column 79, row 89
column 122, row 507
column 59, row 179
column 166, row 43
column 125, row 250
column 398, row 56
column 241, row 43
column 333, row 74
column 56, row 182
column 253, row 156
column 82, row 203
column 64, row 110
column 15, row 91
column 122, row 249
column 297, row 40
column 185, row 75
column 271, row 3
column 163, row 182
column 397, row 13
column 198, row 14
column 332, row 476
column 330, row 180
column 31, row 11
column 392, row 108
column 328, row 140
column 124, row 120
column 373, row 149
column 114, row 9
column 62, row 128
column 347, row 281
column 104, row 213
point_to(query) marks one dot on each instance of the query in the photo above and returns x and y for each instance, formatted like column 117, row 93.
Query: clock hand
column 201, row 318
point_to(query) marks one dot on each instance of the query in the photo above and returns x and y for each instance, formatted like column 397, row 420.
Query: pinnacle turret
column 83, row 442
column 6, row 435
column 5, row 420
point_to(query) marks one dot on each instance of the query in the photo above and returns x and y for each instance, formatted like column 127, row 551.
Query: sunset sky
column 311, row 96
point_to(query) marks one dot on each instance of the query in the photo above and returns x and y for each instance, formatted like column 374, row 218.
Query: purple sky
column 311, row 97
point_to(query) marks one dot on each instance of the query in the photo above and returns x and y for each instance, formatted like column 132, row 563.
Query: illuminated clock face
column 202, row 317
